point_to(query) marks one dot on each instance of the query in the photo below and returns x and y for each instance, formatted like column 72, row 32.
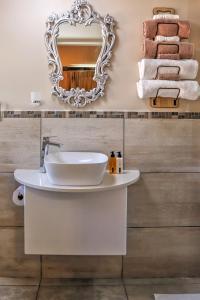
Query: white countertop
column 37, row 180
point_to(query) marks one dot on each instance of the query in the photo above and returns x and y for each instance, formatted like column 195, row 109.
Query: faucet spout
column 45, row 151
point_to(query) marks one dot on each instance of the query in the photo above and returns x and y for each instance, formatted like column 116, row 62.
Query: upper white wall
column 23, row 55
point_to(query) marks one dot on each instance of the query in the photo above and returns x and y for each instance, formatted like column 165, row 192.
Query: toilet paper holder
column 18, row 196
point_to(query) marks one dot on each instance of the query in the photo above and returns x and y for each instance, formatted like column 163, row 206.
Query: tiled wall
column 163, row 207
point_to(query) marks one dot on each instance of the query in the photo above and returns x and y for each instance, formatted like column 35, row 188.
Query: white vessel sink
column 75, row 168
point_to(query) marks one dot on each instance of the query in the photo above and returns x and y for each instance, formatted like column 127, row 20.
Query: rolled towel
column 167, row 76
column 151, row 28
column 189, row 90
column 166, row 16
column 148, row 68
column 152, row 49
column 169, row 56
column 161, row 38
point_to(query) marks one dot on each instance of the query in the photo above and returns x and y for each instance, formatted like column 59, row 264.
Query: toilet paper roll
column 18, row 196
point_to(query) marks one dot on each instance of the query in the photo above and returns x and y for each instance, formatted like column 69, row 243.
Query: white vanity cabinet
column 73, row 220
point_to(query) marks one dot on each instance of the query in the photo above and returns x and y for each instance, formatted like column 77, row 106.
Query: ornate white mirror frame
column 80, row 13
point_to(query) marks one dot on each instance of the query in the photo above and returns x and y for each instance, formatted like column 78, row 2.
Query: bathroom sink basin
column 75, row 168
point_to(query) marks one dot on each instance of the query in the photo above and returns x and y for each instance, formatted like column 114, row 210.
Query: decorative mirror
column 79, row 45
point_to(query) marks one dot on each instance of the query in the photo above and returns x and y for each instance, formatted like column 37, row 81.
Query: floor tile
column 83, row 293
column 18, row 292
column 146, row 292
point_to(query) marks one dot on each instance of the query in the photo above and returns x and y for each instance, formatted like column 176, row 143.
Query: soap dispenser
column 112, row 163
column 119, row 163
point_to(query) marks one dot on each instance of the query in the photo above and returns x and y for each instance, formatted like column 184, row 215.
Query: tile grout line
column 122, row 278
column 40, row 140
column 40, row 280
column 162, row 227
column 124, row 160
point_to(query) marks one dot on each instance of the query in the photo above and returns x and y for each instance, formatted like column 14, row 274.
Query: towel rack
column 166, row 44
column 165, row 102
column 164, row 66
column 167, row 23
column 165, row 10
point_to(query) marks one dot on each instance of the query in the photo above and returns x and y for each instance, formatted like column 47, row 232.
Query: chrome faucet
column 46, row 142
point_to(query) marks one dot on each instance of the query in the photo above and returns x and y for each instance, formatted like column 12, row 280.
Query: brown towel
column 168, row 76
column 153, row 49
column 169, row 56
column 151, row 28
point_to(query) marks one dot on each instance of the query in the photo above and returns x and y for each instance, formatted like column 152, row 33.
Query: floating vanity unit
column 75, row 220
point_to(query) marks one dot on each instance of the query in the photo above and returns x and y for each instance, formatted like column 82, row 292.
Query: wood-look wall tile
column 163, row 252
column 102, row 135
column 10, row 214
column 82, row 266
column 19, row 144
column 13, row 261
column 162, row 145
column 165, row 199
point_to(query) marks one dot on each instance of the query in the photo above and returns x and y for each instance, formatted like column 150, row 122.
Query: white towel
column 148, row 68
column 177, row 297
column 189, row 90
column 166, row 16
column 161, row 38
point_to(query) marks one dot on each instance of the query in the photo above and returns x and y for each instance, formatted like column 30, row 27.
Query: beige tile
column 165, row 199
column 146, row 292
column 82, row 266
column 10, row 214
column 162, row 145
column 86, row 134
column 83, row 293
column 13, row 261
column 17, row 293
column 163, row 252
column 19, row 144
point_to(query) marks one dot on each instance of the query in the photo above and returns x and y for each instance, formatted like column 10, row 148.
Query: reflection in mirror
column 79, row 47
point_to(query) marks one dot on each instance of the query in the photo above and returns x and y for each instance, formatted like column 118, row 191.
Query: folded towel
column 152, row 49
column 189, row 90
column 151, row 28
column 161, row 38
column 169, row 56
column 166, row 16
column 167, row 76
column 148, row 68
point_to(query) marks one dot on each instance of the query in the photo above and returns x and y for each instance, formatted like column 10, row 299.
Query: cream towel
column 177, row 297
column 189, row 90
column 161, row 38
column 148, row 68
column 166, row 16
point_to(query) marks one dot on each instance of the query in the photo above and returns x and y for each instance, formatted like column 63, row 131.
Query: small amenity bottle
column 119, row 163
column 112, row 163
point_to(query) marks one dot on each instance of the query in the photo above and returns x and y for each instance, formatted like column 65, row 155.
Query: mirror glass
column 79, row 47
